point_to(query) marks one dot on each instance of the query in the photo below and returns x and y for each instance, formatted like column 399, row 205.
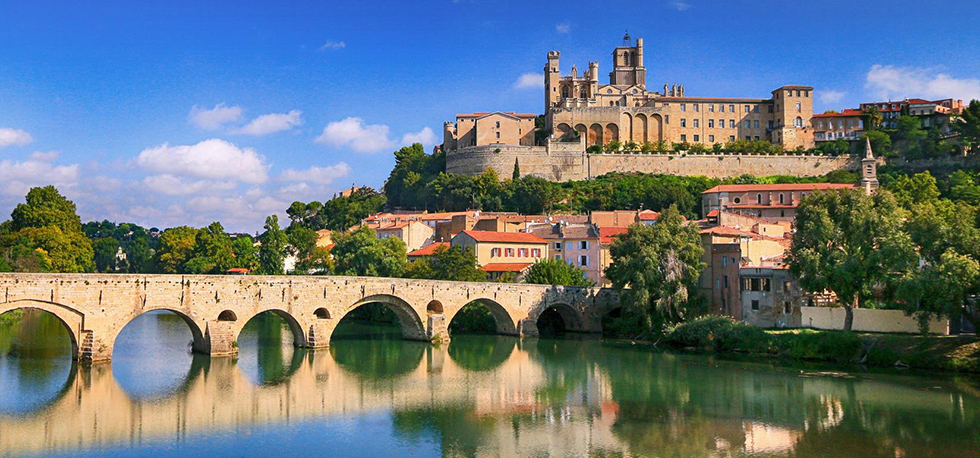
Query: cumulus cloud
column 46, row 156
column 10, row 136
column 16, row 178
column 171, row 185
column 317, row 175
column 214, row 118
column 212, row 159
column 353, row 133
column 891, row 82
column 830, row 96
column 529, row 81
column 333, row 45
column 564, row 27
column 424, row 136
column 271, row 123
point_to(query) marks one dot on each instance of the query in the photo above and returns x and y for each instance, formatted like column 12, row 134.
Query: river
column 373, row 395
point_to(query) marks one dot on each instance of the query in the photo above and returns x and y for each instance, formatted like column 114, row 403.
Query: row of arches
column 639, row 128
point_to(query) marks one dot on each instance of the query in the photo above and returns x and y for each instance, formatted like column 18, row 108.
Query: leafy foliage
column 360, row 252
column 454, row 263
column 45, row 233
column 272, row 248
column 556, row 272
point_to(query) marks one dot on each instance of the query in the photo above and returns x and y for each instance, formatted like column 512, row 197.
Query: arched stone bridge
column 95, row 308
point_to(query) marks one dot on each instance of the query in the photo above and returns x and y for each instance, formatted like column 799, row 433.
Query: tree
column 968, row 125
column 556, row 272
column 517, row 170
column 343, row 212
column 881, row 143
column 917, row 189
column 656, row 268
column 272, row 251
column 532, row 195
column 176, row 247
column 246, row 255
column 48, row 225
column 212, row 252
column 413, row 170
column 848, row 242
column 361, row 252
column 105, row 254
column 873, row 118
column 453, row 263
column 139, row 253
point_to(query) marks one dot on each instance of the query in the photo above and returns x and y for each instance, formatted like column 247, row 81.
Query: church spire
column 869, row 169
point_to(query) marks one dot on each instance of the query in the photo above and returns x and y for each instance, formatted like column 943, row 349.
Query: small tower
column 869, row 169
column 551, row 81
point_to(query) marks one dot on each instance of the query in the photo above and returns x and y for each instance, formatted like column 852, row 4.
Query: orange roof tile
column 649, row 214
column 504, row 237
column 506, row 266
column 429, row 249
column 607, row 234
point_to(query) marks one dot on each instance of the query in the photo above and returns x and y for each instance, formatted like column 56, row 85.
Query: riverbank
column 723, row 335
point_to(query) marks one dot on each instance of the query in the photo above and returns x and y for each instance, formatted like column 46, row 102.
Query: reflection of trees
column 473, row 318
column 459, row 430
column 481, row 353
column 373, row 319
column 378, row 359
column 276, row 358
column 35, row 351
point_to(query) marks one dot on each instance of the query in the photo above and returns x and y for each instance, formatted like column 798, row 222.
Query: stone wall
column 567, row 161
column 869, row 320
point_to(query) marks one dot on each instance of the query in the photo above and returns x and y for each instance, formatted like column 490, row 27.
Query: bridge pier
column 528, row 328
column 437, row 328
column 318, row 333
column 219, row 339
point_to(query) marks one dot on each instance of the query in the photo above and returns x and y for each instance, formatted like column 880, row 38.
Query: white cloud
column 529, row 81
column 333, row 45
column 210, row 159
column 171, row 185
column 10, row 136
column 16, row 178
column 564, row 27
column 831, row 96
column 271, row 123
column 891, row 82
column 317, row 175
column 424, row 136
column 354, row 134
column 215, row 118
column 680, row 5
column 48, row 156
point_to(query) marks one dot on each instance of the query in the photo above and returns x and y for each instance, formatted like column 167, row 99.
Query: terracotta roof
column 728, row 232
column 607, row 234
column 546, row 231
column 579, row 231
column 429, row 249
column 846, row 113
column 712, row 214
column 649, row 214
column 238, row 270
column 504, row 237
column 506, row 266
column 778, row 187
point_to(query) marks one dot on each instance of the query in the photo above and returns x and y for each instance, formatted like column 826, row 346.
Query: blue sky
column 185, row 112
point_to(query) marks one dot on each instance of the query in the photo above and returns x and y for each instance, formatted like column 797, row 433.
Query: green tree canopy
column 848, row 242
column 213, row 253
column 453, row 263
column 48, row 232
column 656, row 268
column 968, row 125
column 556, row 272
column 176, row 247
column 105, row 254
column 361, row 252
column 272, row 251
column 246, row 255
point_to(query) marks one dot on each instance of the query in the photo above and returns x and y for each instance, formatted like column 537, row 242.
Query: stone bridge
column 95, row 308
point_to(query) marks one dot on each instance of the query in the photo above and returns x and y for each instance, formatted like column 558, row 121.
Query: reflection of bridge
column 95, row 308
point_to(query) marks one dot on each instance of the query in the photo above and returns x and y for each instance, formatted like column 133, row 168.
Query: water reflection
column 152, row 356
column 36, row 365
column 478, row 396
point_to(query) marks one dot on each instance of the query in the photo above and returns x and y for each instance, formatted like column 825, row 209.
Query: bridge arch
column 299, row 337
column 571, row 319
column 408, row 317
column 505, row 323
column 201, row 343
column 68, row 316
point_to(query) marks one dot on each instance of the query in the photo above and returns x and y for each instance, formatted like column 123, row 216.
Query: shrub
column 819, row 345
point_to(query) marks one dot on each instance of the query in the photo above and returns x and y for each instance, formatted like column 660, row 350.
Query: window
column 737, row 200
column 724, row 261
column 755, row 304
column 583, row 260
column 755, row 124
column 696, row 122
column 683, row 122
column 696, row 107
column 781, row 202
column 798, row 123
column 557, row 257
column 584, row 94
column 748, row 124
column 711, row 138
column 725, row 279
column 558, row 246
column 731, row 125
column 799, row 106
column 787, row 286
column 787, row 308
column 666, row 119
column 731, row 108
column 711, row 108
column 498, row 135
column 711, row 123
column 495, row 253
column 509, row 252
column 683, row 138
column 697, row 138
column 748, row 137
column 608, row 91
column 731, row 138
column 535, row 252
column 748, row 108
column 770, row 124
column 755, row 109
column 721, row 108
column 583, row 245
column 758, row 198
column 683, row 107
column 522, row 252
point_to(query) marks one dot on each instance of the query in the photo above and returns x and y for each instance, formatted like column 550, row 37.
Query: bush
column 840, row 347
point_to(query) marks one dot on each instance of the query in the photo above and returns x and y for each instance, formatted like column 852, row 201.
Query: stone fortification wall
column 567, row 161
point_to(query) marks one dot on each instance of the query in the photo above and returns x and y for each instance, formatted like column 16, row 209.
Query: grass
column 725, row 335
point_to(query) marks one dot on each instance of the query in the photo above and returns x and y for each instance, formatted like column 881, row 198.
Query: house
column 771, row 202
column 502, row 247
column 415, row 234
column 581, row 249
column 607, row 235
column 497, row 270
column 427, row 251
column 848, row 124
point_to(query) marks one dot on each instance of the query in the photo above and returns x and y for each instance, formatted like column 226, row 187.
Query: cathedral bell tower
column 628, row 69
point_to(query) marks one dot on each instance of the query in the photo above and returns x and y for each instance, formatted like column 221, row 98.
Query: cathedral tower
column 628, row 69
